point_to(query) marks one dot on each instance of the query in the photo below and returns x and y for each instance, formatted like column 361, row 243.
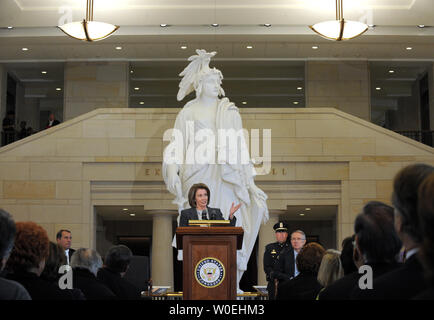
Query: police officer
column 278, row 260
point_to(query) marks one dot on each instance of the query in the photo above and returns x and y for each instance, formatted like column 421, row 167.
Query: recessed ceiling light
column 136, row 88
column 25, row 49
column 409, row 48
column 10, row 27
column 421, row 26
column 307, row 209
column 244, row 102
column 299, row 88
column 118, row 48
column 315, row 47
column 378, row 88
column 215, row 25
column 391, row 71
column 249, row 47
column 183, row 47
column 44, row 72
column 301, row 214
column 58, row 89
column 142, row 102
column 295, row 102
column 125, row 209
column 132, row 214
column 267, row 25
column 163, row 25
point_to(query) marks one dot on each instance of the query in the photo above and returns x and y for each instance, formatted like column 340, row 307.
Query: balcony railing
column 425, row 137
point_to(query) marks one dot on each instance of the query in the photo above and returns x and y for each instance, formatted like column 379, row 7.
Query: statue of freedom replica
column 198, row 152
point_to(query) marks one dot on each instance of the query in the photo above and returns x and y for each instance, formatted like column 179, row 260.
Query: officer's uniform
column 278, row 261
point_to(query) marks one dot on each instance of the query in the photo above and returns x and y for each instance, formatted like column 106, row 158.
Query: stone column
column 162, row 254
column 266, row 236
column 93, row 85
column 339, row 84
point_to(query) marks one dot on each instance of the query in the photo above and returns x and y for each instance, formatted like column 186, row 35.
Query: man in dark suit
column 52, row 121
column 198, row 198
column 407, row 281
column 376, row 245
column 117, row 261
column 64, row 239
column 278, row 259
column 85, row 265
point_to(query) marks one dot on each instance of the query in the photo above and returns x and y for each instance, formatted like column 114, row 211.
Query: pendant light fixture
column 339, row 29
column 88, row 30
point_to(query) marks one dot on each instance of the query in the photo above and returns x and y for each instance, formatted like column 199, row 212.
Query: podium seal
column 209, row 272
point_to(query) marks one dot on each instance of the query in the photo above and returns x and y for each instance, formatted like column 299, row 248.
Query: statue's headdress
column 193, row 73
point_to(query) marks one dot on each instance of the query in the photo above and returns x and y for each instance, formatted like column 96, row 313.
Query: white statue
column 228, row 182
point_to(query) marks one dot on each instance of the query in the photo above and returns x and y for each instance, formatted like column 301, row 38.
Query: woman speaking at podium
column 198, row 198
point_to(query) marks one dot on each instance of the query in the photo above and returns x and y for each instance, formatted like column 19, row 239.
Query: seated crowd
column 390, row 256
column 30, row 266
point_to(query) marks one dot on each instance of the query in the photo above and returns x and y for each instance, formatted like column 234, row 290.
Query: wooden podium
column 209, row 261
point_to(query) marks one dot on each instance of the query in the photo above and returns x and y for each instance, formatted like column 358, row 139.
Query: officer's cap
column 280, row 227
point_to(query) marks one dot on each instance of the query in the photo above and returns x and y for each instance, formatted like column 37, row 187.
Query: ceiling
column 240, row 24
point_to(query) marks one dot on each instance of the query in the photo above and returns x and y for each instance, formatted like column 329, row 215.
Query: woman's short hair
column 118, row 258
column 30, row 249
column 309, row 258
column 86, row 259
column 56, row 258
column 405, row 197
column 331, row 268
column 192, row 193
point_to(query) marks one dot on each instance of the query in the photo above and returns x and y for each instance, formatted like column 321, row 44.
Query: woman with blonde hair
column 330, row 269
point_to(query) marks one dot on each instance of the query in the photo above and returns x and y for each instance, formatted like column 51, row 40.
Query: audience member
column 85, row 264
column 8, row 134
column 376, row 245
column 347, row 255
column 9, row 290
column 23, row 132
column 117, row 261
column 64, row 239
column 52, row 121
column 305, row 286
column 27, row 260
column 56, row 259
column 330, row 269
column 408, row 280
column 298, row 240
column 426, row 216
column 278, row 260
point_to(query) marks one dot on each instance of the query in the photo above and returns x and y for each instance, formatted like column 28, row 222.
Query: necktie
column 204, row 217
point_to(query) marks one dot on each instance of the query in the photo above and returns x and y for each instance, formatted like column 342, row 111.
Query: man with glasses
column 298, row 240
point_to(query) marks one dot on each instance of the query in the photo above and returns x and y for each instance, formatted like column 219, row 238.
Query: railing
column 425, row 137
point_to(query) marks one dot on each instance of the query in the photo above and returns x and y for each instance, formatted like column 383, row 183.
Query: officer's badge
column 273, row 251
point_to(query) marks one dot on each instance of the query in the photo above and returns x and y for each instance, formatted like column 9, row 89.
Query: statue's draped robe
column 228, row 182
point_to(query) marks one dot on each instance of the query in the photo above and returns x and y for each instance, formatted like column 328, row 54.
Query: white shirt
column 296, row 272
column 410, row 253
column 199, row 213
column 67, row 256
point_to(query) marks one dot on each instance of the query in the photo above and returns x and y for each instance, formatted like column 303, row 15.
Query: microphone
column 212, row 215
